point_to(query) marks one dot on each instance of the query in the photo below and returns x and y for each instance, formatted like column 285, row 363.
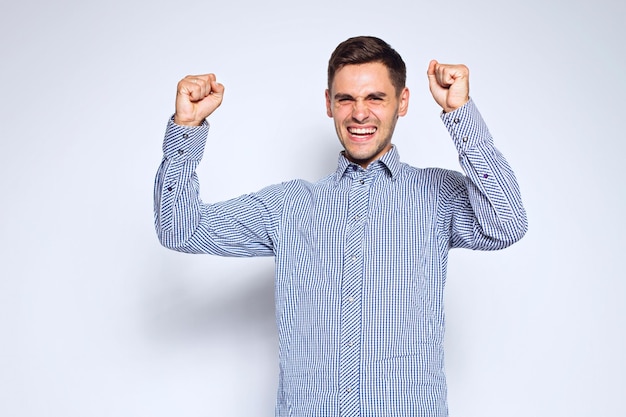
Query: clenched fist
column 449, row 85
column 196, row 98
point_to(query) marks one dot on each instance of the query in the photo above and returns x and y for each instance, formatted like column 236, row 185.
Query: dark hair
column 366, row 49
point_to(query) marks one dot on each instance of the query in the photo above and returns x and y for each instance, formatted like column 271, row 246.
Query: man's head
column 364, row 50
column 366, row 95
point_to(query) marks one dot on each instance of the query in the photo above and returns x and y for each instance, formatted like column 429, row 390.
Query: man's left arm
column 485, row 206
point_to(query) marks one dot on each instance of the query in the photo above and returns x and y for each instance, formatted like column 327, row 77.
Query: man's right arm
column 244, row 226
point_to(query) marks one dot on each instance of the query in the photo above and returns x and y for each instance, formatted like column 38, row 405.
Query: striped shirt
column 361, row 259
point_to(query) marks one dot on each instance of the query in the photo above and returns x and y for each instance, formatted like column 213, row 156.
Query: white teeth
column 362, row 131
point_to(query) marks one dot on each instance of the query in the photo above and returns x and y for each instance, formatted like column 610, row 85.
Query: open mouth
column 362, row 131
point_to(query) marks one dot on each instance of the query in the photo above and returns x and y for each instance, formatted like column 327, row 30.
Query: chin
column 369, row 154
column 360, row 159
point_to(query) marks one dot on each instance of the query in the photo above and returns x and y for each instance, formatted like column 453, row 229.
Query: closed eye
column 344, row 98
column 376, row 97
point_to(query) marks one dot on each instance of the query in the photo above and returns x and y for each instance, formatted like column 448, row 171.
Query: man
column 361, row 255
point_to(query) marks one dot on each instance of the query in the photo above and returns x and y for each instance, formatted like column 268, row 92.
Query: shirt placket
column 351, row 286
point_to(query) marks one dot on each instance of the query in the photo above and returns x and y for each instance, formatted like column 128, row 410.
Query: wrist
column 450, row 108
column 186, row 121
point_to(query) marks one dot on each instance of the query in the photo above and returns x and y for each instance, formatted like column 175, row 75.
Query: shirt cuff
column 185, row 142
column 467, row 127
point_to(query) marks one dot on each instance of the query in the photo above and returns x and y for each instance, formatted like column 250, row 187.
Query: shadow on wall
column 226, row 307
column 208, row 299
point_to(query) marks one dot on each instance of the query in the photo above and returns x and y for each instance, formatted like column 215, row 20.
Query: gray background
column 96, row 319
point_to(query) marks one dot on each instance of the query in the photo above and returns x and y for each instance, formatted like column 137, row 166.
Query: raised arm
column 483, row 209
column 243, row 226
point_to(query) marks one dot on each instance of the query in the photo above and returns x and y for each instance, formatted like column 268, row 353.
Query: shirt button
column 465, row 139
column 169, row 188
column 351, row 299
column 362, row 182
column 348, row 390
column 354, row 258
column 485, row 176
column 180, row 152
column 185, row 136
column 457, row 120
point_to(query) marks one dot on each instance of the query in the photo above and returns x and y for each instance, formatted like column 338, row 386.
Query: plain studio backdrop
column 97, row 319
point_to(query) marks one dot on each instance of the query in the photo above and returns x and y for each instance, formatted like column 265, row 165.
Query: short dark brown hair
column 366, row 49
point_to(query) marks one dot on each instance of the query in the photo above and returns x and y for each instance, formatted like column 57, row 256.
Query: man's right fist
column 196, row 98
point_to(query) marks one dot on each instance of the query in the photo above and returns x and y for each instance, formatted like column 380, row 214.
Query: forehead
column 351, row 79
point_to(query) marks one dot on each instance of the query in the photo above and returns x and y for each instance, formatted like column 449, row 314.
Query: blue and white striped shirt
column 361, row 259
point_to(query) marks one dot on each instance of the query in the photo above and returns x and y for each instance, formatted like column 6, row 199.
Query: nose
column 360, row 111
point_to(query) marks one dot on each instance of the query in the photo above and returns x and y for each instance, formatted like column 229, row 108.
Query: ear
column 403, row 106
column 329, row 111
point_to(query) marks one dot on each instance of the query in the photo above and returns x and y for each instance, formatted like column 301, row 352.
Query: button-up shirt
column 361, row 259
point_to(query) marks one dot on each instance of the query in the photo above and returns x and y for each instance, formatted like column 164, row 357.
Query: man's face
column 365, row 107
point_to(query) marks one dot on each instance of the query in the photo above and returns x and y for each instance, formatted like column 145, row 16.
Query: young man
column 361, row 256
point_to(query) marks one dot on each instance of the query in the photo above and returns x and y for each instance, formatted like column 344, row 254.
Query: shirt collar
column 389, row 162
